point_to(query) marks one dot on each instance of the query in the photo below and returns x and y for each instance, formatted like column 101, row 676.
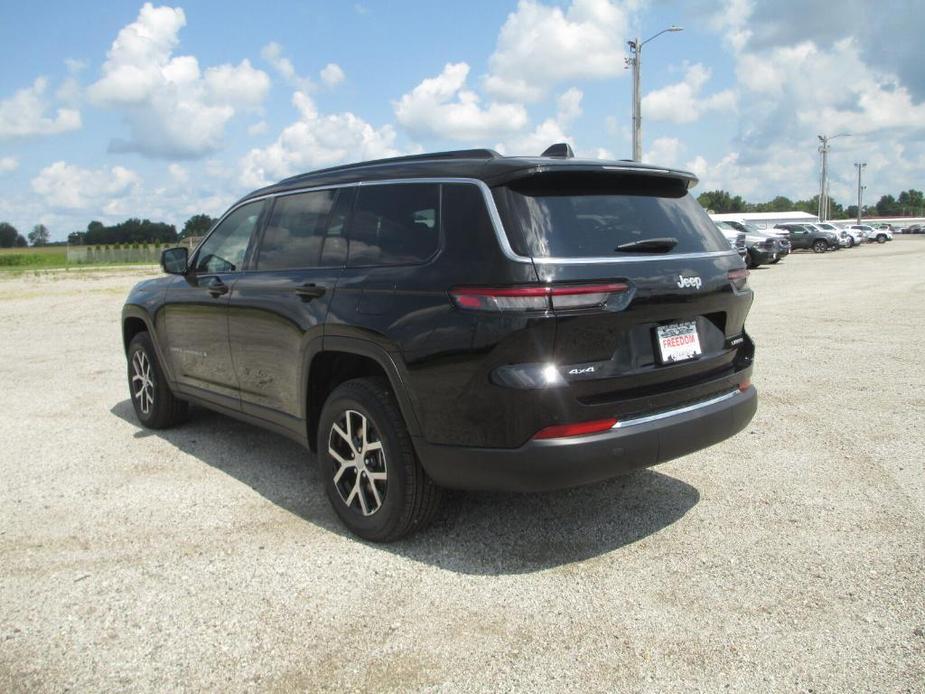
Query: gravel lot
column 789, row 558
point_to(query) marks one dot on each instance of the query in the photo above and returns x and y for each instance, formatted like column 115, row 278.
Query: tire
column 155, row 404
column 881, row 238
column 820, row 246
column 401, row 498
column 775, row 261
column 750, row 261
column 851, row 243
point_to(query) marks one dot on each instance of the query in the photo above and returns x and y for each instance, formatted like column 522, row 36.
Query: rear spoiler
column 687, row 179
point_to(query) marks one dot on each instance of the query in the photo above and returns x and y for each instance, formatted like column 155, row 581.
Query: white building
column 766, row 219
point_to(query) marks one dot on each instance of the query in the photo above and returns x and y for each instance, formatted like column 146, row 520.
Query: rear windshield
column 569, row 216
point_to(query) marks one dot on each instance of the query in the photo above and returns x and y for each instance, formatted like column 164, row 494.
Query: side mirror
column 175, row 261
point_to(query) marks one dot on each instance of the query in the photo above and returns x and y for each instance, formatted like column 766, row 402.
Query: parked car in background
column 736, row 240
column 853, row 237
column 845, row 240
column 914, row 229
column 808, row 237
column 779, row 250
column 878, row 235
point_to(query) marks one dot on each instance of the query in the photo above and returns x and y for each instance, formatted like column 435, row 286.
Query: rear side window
column 575, row 216
column 395, row 224
column 295, row 233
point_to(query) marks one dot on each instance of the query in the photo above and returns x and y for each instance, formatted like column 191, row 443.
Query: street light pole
column 635, row 61
column 859, row 165
column 824, row 178
column 636, row 49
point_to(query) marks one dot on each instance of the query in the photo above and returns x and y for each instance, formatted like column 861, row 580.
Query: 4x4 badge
column 694, row 282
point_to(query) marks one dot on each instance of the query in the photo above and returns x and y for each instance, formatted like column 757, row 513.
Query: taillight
column 535, row 298
column 581, row 429
column 739, row 278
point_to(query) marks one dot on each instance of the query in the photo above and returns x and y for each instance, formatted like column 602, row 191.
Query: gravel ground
column 790, row 558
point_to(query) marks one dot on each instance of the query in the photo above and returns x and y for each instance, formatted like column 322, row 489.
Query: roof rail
column 432, row 156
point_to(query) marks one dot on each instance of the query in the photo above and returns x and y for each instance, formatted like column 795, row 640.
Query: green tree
column 887, row 206
column 21, row 241
column 131, row 231
column 720, row 202
column 8, row 235
column 912, row 202
column 39, row 235
column 197, row 225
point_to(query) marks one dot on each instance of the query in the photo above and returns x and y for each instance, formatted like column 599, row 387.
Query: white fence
column 141, row 253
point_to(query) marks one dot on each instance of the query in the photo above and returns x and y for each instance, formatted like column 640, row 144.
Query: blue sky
column 117, row 109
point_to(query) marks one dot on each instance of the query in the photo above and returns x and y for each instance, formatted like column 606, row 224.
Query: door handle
column 307, row 292
column 216, row 287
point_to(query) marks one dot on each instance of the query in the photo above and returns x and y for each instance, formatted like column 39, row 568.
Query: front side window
column 294, row 235
column 225, row 248
column 396, row 224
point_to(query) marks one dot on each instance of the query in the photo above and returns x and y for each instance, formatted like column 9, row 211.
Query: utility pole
column 824, row 177
column 634, row 61
column 859, row 165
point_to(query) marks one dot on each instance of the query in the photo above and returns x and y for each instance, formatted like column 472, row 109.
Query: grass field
column 43, row 258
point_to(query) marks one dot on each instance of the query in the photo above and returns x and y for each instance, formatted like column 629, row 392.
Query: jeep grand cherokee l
column 460, row 320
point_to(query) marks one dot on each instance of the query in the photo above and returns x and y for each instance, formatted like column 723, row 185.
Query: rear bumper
column 542, row 465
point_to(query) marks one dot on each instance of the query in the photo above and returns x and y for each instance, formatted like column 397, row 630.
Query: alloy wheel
column 360, row 474
column 142, row 381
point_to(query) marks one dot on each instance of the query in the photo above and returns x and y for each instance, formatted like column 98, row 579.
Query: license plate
column 678, row 342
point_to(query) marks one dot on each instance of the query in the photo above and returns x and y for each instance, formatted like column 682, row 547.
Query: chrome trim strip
column 634, row 258
column 672, row 413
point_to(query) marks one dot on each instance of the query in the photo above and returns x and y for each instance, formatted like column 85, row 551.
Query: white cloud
column 75, row 66
column 332, row 74
column 8, row 164
column 273, row 54
column 731, row 21
column 26, row 113
column 178, row 173
column 664, row 151
column 172, row 108
column 550, row 131
column 258, row 128
column 443, row 107
column 801, row 71
column 682, row 102
column 540, row 46
column 830, row 90
column 316, row 140
column 64, row 185
column 788, row 170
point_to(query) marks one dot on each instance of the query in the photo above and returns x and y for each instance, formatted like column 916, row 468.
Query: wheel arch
column 136, row 320
column 340, row 359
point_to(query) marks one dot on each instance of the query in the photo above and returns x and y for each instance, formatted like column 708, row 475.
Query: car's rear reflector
column 745, row 385
column 535, row 297
column 558, row 431
column 739, row 278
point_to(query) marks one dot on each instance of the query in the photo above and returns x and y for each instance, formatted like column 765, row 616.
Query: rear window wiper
column 662, row 245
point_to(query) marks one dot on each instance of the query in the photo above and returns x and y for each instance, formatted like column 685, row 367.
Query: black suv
column 460, row 320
